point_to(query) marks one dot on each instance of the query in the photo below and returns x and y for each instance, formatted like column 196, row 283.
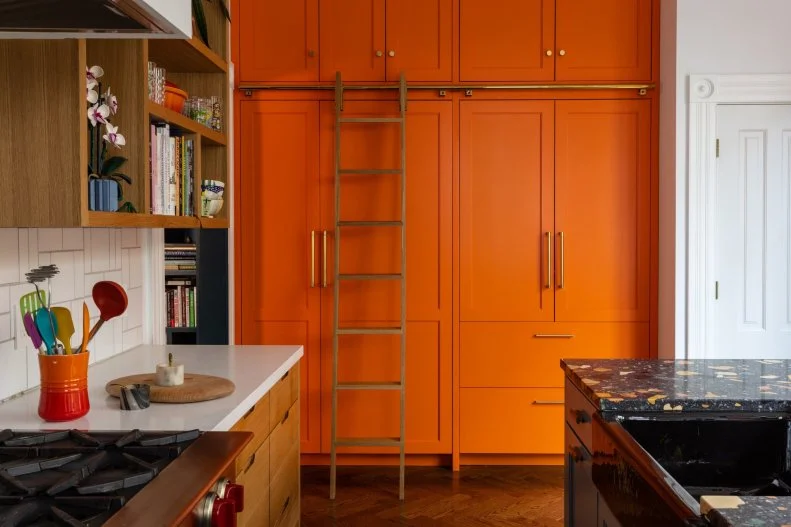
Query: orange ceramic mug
column 64, row 386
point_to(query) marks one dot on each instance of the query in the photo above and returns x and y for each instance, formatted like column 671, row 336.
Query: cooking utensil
column 111, row 300
column 34, row 276
column 65, row 326
column 32, row 330
column 47, row 326
column 30, row 303
column 86, row 323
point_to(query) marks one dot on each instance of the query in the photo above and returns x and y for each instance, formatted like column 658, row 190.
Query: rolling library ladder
column 338, row 330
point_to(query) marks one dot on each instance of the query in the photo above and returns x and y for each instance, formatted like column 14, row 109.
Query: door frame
column 705, row 93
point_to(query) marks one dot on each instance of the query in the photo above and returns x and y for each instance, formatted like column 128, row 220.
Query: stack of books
column 181, row 296
column 180, row 257
column 172, row 172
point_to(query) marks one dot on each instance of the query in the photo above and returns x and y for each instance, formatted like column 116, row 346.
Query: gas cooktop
column 78, row 479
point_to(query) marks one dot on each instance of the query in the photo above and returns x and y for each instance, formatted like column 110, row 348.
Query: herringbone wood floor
column 475, row 496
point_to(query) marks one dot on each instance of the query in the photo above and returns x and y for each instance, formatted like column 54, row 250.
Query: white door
column 752, row 253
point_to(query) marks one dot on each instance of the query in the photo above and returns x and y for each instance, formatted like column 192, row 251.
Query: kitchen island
column 665, row 443
column 265, row 402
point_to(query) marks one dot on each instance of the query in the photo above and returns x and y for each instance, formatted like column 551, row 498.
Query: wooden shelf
column 215, row 223
column 184, row 123
column 185, row 56
column 152, row 221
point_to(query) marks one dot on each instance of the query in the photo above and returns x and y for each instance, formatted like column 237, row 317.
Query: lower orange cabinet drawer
column 511, row 420
column 528, row 354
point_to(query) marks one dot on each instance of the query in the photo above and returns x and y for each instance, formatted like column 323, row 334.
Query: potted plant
column 199, row 16
column 105, row 188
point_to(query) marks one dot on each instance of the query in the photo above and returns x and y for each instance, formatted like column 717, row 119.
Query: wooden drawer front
column 511, row 420
column 254, row 475
column 256, row 420
column 284, row 490
column 527, row 355
column 284, row 437
column 283, row 395
column 579, row 415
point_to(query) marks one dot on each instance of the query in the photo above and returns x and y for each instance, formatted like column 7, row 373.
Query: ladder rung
column 368, row 441
column 369, row 386
column 371, row 120
column 370, row 276
column 370, row 171
column 370, row 223
column 370, row 331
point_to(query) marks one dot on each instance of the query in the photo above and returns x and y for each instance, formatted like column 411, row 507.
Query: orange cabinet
column 560, row 40
column 607, row 40
column 279, row 206
column 278, row 41
column 375, row 40
column 507, row 40
column 367, row 250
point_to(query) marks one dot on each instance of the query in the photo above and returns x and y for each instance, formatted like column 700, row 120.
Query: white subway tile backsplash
column 84, row 257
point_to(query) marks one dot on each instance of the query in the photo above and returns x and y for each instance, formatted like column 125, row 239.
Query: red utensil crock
column 64, row 386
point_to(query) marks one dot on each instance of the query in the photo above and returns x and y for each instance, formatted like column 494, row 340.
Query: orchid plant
column 101, row 106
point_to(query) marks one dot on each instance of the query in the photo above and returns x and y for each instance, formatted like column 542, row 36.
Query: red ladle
column 111, row 300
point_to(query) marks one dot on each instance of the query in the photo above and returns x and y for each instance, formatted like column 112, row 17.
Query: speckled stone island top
column 759, row 385
column 746, row 511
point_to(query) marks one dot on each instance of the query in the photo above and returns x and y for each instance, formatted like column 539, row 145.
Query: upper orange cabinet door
column 603, row 210
column 506, row 210
column 507, row 40
column 279, row 41
column 419, row 40
column 279, row 206
column 352, row 38
column 606, row 40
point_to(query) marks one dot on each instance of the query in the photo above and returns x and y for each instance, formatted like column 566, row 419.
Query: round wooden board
column 196, row 388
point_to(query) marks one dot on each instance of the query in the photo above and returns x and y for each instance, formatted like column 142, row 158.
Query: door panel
column 377, row 250
column 419, row 34
column 752, row 237
column 279, row 177
column 582, row 497
column 506, row 210
column 507, row 40
column 351, row 33
column 603, row 207
column 279, row 41
column 607, row 40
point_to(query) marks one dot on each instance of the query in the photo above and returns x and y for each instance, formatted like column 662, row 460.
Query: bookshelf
column 47, row 140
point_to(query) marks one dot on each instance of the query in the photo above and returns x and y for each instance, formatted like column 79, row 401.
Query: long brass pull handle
column 547, row 402
column 324, row 279
column 549, row 260
column 312, row 258
column 562, row 281
column 553, row 336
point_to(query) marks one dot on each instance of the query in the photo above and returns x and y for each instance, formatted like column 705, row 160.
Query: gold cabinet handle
column 391, row 53
column 547, row 402
column 379, row 53
column 549, row 260
column 553, row 336
column 312, row 258
column 549, row 53
column 562, row 281
column 324, row 251
column 562, row 52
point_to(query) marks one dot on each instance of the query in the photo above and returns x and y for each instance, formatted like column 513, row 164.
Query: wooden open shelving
column 44, row 137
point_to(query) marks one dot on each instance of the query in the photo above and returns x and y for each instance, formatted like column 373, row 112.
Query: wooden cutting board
column 196, row 388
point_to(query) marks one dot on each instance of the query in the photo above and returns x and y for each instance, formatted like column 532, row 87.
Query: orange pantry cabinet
column 280, row 297
column 375, row 40
column 278, row 41
column 377, row 250
column 555, row 40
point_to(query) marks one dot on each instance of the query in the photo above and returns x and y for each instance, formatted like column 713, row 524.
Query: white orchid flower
column 113, row 137
column 93, row 96
column 93, row 73
column 111, row 101
column 98, row 114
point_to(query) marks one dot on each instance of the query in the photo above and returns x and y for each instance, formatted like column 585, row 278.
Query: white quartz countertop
column 253, row 369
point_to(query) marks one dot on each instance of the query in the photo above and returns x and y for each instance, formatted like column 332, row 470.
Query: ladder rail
column 335, row 288
column 402, row 447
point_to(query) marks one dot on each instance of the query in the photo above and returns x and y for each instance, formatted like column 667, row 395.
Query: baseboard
column 413, row 460
column 512, row 459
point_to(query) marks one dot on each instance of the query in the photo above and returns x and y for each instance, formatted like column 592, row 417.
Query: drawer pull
column 581, row 416
column 547, row 402
column 283, row 378
column 284, row 417
column 247, row 414
column 250, row 463
column 577, row 454
column 553, row 336
column 285, row 505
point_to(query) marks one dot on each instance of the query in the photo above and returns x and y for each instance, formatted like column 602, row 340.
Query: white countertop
column 253, row 369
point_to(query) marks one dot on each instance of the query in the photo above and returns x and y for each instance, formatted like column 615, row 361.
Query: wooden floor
column 475, row 496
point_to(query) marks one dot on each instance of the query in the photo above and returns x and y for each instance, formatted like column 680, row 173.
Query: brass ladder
column 338, row 330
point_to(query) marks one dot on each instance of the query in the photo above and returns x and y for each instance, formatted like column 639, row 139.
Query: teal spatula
column 47, row 327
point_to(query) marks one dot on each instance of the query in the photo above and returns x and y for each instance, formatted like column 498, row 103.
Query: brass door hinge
column 718, row 148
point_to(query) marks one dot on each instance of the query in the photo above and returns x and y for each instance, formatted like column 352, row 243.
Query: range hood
column 53, row 19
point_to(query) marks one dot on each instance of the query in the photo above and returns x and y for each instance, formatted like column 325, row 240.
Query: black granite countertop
column 749, row 511
column 758, row 385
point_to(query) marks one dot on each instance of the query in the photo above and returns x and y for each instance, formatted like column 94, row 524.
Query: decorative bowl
column 211, row 207
column 174, row 97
